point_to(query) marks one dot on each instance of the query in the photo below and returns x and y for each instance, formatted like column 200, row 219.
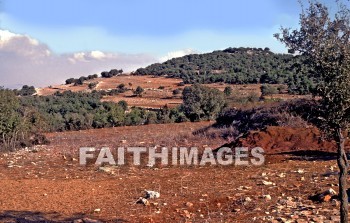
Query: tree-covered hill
column 237, row 66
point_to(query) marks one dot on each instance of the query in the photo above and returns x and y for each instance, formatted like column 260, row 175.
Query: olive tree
column 323, row 38
column 202, row 103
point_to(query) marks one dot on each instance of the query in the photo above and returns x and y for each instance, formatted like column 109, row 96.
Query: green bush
column 268, row 90
column 202, row 103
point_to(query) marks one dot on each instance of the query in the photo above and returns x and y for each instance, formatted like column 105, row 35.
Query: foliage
column 123, row 104
column 18, row 126
column 75, row 111
column 26, row 91
column 92, row 85
column 267, row 89
column 324, row 40
column 202, row 103
column 138, row 91
column 111, row 73
column 228, row 90
column 237, row 66
column 78, row 111
column 176, row 91
column 80, row 80
column 294, row 113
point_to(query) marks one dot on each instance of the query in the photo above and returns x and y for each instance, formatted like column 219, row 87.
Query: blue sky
column 152, row 26
column 44, row 42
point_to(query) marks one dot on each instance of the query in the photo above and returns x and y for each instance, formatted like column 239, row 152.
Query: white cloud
column 178, row 53
column 97, row 54
column 25, row 60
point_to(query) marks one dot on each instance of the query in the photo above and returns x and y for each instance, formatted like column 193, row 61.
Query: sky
column 45, row 42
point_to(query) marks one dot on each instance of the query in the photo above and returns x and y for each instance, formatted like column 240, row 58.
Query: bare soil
column 158, row 91
column 47, row 184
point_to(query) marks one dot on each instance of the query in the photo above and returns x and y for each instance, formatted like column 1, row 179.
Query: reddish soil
column 285, row 139
column 48, row 185
column 158, row 91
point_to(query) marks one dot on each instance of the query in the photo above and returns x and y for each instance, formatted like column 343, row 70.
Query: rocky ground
column 47, row 184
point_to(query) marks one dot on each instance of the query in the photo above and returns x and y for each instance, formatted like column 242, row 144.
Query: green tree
column 27, row 90
column 123, row 104
column 92, row 85
column 176, row 91
column 324, row 40
column 200, row 102
column 139, row 90
column 13, row 125
column 267, row 89
column 228, row 90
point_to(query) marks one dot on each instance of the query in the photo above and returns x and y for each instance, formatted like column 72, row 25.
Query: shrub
column 123, row 104
column 228, row 90
column 26, row 90
column 176, row 91
column 139, row 90
column 268, row 90
column 92, row 85
column 202, row 103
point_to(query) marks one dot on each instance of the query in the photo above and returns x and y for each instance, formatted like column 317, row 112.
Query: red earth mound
column 276, row 139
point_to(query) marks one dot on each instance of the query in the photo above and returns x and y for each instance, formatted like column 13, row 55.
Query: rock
column 97, row 210
column 324, row 196
column 267, row 183
column 300, row 171
column 107, row 169
column 143, row 201
column 281, row 175
column 247, row 200
column 187, row 214
column 189, row 204
column 267, row 197
column 152, row 194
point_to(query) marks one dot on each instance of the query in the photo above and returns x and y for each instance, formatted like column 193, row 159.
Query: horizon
column 41, row 42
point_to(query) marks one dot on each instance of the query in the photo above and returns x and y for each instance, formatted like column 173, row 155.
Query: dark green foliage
column 26, row 91
column 228, row 91
column 151, row 118
column 111, row 73
column 92, row 85
column 123, row 104
column 139, row 90
column 19, row 126
column 176, row 91
column 75, row 111
column 70, row 81
column 267, row 89
column 137, row 116
column 121, row 88
column 80, row 81
column 237, row 66
column 202, row 103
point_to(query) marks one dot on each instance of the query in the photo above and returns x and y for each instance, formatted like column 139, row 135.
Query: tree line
column 238, row 66
column 22, row 119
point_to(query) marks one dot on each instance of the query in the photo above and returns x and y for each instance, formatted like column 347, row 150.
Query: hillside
column 237, row 66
